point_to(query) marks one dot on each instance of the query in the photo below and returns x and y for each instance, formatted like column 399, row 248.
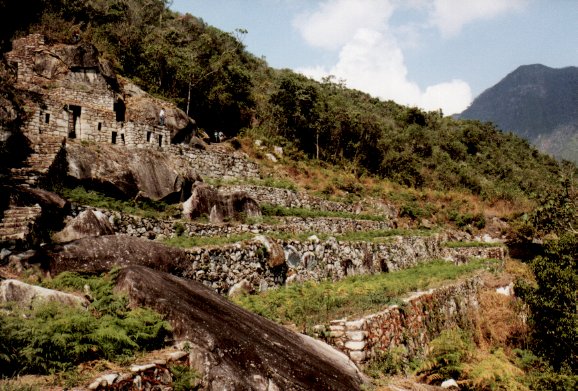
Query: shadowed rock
column 130, row 172
column 100, row 254
column 233, row 348
column 86, row 224
column 23, row 195
column 207, row 201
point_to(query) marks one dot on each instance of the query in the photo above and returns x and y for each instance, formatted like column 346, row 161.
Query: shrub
column 184, row 378
column 448, row 352
column 552, row 303
column 51, row 337
column 477, row 220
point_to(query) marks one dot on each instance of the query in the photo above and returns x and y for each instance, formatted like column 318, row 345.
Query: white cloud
column 449, row 16
column 336, row 21
column 374, row 63
column 371, row 56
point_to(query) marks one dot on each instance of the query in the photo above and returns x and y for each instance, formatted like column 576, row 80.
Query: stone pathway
column 37, row 165
column 18, row 224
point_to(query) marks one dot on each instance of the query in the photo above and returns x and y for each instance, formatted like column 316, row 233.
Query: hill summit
column 536, row 102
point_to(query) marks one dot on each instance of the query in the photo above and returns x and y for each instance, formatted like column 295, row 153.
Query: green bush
column 477, row 220
column 52, row 337
column 448, row 352
column 552, row 303
column 184, row 378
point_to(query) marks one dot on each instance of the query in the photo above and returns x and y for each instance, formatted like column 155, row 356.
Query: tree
column 552, row 300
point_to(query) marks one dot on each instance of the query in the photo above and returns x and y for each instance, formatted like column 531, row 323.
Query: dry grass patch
column 501, row 321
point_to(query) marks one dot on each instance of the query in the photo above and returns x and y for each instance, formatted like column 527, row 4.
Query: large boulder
column 86, row 224
column 100, row 254
column 206, row 200
column 26, row 295
column 235, row 349
column 49, row 201
column 127, row 172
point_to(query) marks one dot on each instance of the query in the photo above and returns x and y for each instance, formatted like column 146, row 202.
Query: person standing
column 162, row 116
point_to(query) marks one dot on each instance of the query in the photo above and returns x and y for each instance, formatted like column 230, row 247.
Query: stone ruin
column 82, row 98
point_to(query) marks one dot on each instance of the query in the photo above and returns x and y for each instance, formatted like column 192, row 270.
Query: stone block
column 357, row 356
column 336, row 334
column 356, row 335
column 355, row 324
column 355, row 345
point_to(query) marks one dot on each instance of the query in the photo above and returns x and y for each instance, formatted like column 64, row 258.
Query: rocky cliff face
column 130, row 172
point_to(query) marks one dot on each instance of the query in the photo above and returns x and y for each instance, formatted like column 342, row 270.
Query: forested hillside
column 537, row 103
column 208, row 74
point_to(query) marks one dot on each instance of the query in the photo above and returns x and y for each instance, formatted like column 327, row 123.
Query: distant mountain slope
column 536, row 102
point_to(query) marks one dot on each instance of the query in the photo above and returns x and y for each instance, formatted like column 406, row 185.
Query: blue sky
column 426, row 53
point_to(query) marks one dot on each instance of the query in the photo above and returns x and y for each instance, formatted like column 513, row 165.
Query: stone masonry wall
column 80, row 105
column 151, row 228
column 293, row 199
column 412, row 325
column 216, row 164
column 221, row 267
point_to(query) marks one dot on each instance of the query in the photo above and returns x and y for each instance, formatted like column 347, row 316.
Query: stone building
column 78, row 96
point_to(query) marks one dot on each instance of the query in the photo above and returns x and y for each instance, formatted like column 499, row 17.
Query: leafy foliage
column 51, row 337
column 448, row 353
column 553, row 302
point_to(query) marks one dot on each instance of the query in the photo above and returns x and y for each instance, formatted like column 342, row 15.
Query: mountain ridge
column 536, row 102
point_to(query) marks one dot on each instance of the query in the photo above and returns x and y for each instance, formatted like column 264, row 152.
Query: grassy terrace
column 308, row 304
column 160, row 210
column 149, row 209
column 472, row 244
column 375, row 236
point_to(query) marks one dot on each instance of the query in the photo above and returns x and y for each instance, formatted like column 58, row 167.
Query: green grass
column 471, row 244
column 375, row 236
column 278, row 183
column 308, row 304
column 143, row 208
column 276, row 210
column 200, row 241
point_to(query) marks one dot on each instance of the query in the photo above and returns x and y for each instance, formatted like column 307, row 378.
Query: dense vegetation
column 51, row 337
column 208, row 73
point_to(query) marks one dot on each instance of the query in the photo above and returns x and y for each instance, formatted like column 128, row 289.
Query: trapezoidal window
column 73, row 120
column 46, row 118
column 160, row 140
column 113, row 140
column 120, row 110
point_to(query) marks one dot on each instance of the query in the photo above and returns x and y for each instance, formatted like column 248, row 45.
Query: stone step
column 18, row 210
column 17, row 222
column 20, row 236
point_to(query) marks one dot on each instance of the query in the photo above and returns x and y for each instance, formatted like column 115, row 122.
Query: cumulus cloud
column 374, row 63
column 449, row 16
column 334, row 22
column 371, row 56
